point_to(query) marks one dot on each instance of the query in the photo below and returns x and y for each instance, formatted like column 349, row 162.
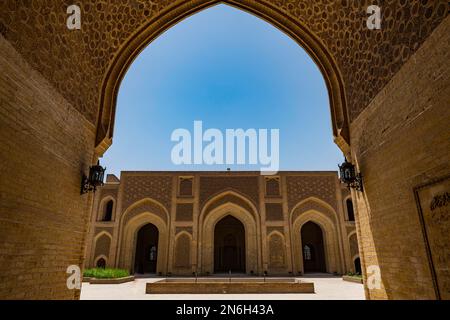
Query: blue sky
column 230, row 70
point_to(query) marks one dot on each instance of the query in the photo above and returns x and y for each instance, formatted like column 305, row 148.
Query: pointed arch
column 96, row 260
column 145, row 204
column 183, row 251
column 276, row 252
column 252, row 234
column 128, row 238
column 300, row 33
column 228, row 196
column 102, row 207
column 330, row 235
column 107, row 250
column 312, row 203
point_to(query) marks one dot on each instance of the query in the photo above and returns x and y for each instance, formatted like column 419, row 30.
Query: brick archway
column 129, row 238
column 61, row 77
column 252, row 246
column 150, row 30
column 329, row 236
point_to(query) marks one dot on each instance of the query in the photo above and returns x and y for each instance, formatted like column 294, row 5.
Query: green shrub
column 355, row 275
column 106, row 273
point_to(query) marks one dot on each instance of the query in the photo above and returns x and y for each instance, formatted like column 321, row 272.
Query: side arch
column 145, row 204
column 277, row 254
column 128, row 239
column 149, row 31
column 96, row 251
column 228, row 196
column 182, row 260
column 105, row 258
column 101, row 208
column 330, row 235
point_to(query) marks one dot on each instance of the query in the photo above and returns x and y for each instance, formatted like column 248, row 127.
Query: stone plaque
column 433, row 202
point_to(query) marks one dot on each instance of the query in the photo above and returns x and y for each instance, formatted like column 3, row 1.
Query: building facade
column 182, row 223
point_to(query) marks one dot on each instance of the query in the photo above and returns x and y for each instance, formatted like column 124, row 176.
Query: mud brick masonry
column 186, row 208
column 389, row 93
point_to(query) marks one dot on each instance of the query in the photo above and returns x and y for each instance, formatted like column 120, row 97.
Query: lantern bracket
column 94, row 180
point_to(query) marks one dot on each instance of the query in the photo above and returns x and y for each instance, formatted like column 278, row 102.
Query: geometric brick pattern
column 102, row 245
column 302, row 187
column 367, row 59
column 210, row 186
column 138, row 187
column 146, row 206
column 229, row 198
column 274, row 212
column 272, row 186
column 184, row 212
column 185, row 186
column 313, row 205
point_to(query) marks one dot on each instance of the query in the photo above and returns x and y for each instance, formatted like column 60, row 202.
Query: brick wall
column 400, row 141
column 45, row 147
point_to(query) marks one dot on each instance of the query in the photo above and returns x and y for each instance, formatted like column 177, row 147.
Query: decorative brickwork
column 108, row 192
column 228, row 198
column 302, row 187
column 353, row 245
column 272, row 187
column 277, row 249
column 313, row 205
column 340, row 25
column 183, row 251
column 278, row 229
column 185, row 186
column 394, row 84
column 181, row 229
column 102, row 245
column 139, row 187
column 145, row 206
column 210, row 186
column 274, row 212
column 184, row 212
column 108, row 230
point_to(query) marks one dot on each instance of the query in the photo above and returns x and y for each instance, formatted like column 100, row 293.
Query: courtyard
column 327, row 287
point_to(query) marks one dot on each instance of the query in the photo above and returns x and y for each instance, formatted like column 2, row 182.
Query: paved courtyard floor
column 326, row 287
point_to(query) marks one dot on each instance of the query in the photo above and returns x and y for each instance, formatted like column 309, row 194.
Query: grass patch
column 354, row 275
column 106, row 273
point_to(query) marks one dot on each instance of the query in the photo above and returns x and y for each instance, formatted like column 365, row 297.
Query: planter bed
column 110, row 280
column 240, row 285
column 352, row 279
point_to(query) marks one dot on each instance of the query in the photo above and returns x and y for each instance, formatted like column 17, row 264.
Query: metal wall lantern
column 348, row 175
column 95, row 179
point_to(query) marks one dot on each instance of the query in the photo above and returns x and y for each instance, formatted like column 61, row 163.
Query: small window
column 350, row 212
column 307, row 252
column 108, row 211
column 101, row 263
column 273, row 187
column 185, row 187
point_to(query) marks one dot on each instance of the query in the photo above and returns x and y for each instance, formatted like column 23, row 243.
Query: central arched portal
column 146, row 249
column 313, row 248
column 229, row 246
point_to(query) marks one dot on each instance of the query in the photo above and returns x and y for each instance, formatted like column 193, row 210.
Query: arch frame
column 102, row 256
column 175, row 243
column 330, row 237
column 206, row 237
column 101, row 209
column 286, row 252
column 169, row 17
column 347, row 217
column 128, row 241
column 93, row 258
